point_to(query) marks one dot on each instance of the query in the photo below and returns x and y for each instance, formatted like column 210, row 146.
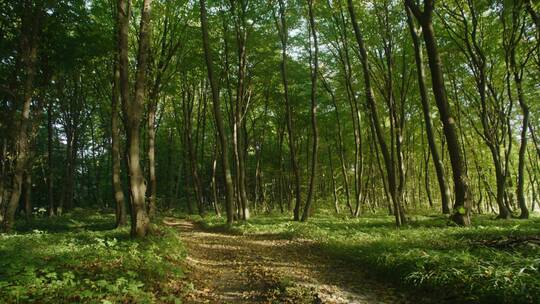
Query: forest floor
column 80, row 257
column 269, row 268
column 335, row 259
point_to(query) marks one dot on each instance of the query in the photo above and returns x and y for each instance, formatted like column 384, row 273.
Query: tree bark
column 284, row 36
column 462, row 204
column 214, row 182
column 187, row 106
column 437, row 163
column 334, row 190
column 133, row 110
column 50, row 176
column 118, row 192
column 27, row 194
column 398, row 211
column 341, row 147
column 217, row 114
column 30, row 28
column 151, row 154
column 522, row 148
column 314, row 64
column 356, row 118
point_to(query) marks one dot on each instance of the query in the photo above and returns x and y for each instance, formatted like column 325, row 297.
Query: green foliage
column 80, row 258
column 459, row 264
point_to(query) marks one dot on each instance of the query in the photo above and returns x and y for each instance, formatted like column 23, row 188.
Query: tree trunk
column 133, row 110
column 217, row 114
column 151, row 133
column 214, row 182
column 334, row 190
column 522, row 149
column 437, row 163
column 3, row 176
column 239, row 139
column 355, row 114
column 341, row 147
column 50, row 176
column 314, row 64
column 27, row 199
column 29, row 45
column 284, row 36
column 280, row 172
column 187, row 105
column 169, row 176
column 375, row 119
column 462, row 204
column 118, row 192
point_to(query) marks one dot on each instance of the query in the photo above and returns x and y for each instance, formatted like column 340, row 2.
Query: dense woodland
column 247, row 107
column 244, row 108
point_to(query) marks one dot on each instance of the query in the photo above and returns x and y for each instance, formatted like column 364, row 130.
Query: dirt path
column 226, row 268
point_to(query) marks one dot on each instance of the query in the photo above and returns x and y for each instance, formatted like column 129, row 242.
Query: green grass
column 79, row 257
column 428, row 255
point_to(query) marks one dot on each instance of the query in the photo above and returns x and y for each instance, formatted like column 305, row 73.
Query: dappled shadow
column 70, row 222
column 252, row 268
column 53, row 267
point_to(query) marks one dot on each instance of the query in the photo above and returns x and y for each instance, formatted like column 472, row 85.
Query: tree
column 118, row 192
column 283, row 35
column 314, row 67
column 437, row 163
column 29, row 44
column 217, row 114
column 388, row 161
column 132, row 109
column 462, row 203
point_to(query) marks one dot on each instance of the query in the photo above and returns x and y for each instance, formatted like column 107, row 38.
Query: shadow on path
column 226, row 268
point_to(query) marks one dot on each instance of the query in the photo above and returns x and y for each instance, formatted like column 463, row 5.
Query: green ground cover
column 80, row 258
column 491, row 262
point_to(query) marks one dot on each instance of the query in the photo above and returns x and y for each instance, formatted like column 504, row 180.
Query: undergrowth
column 80, row 258
column 428, row 255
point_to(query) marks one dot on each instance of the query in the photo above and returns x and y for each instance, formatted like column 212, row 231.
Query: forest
column 276, row 151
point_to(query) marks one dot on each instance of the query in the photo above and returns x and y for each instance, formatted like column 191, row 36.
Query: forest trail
column 225, row 268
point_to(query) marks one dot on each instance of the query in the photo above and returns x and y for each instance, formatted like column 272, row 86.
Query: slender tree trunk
column 170, row 177
column 118, row 192
column 522, row 149
column 437, row 163
column 533, row 180
column 356, row 117
column 50, row 176
column 284, row 34
column 217, row 114
column 214, row 182
column 3, row 176
column 133, row 108
column 426, row 179
column 71, row 158
column 27, row 193
column 374, row 117
column 341, row 146
column 187, row 105
column 535, row 140
column 280, row 173
column 314, row 63
column 151, row 133
column 462, row 204
column 95, row 166
column 334, row 192
column 186, row 173
column 239, row 107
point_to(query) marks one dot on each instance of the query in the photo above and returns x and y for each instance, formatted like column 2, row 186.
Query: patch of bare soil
column 225, row 268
